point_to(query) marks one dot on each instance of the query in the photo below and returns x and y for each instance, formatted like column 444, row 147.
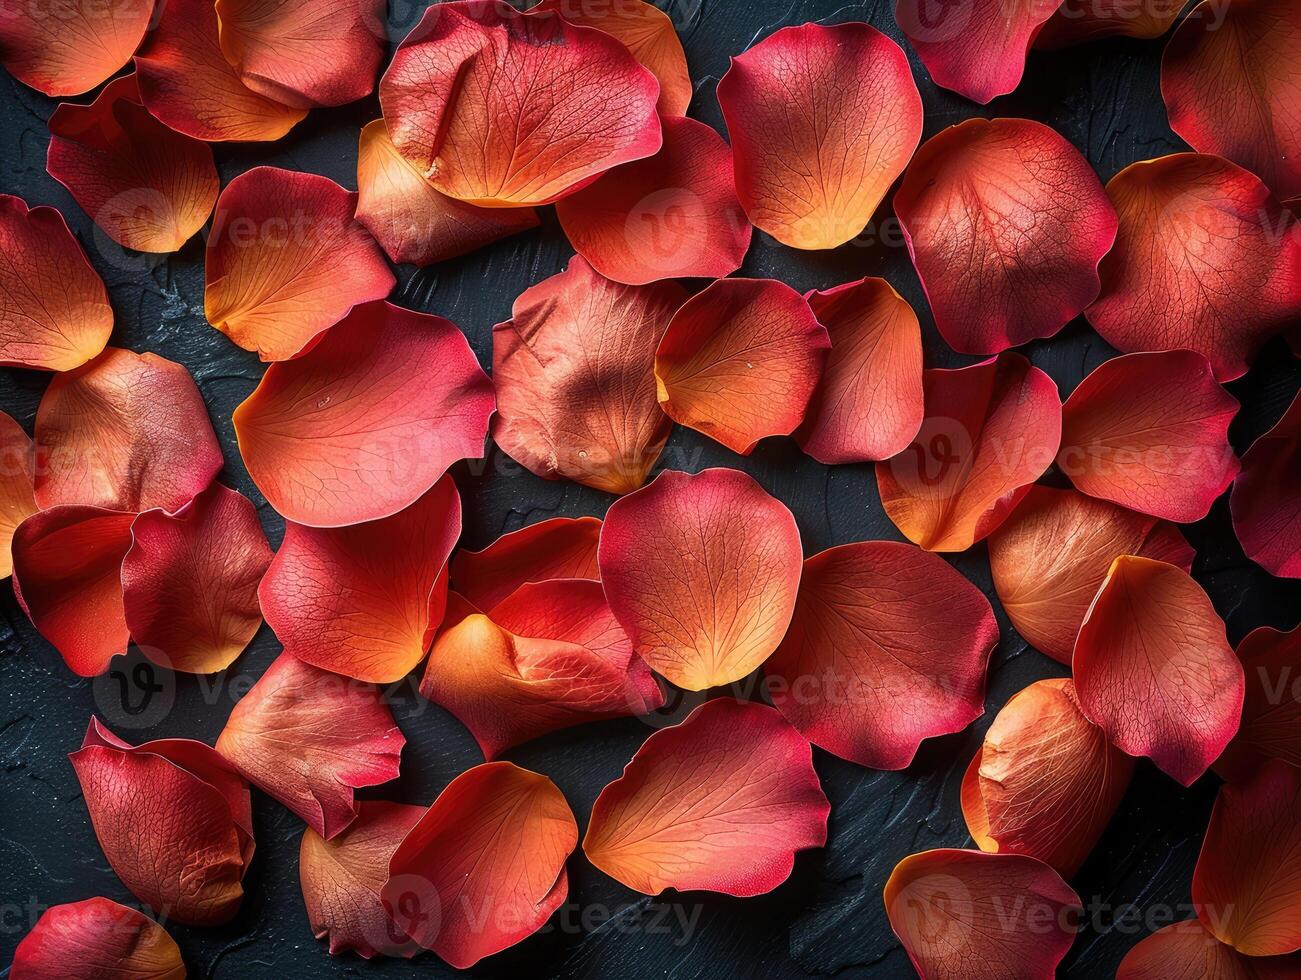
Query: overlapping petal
column 562, row 547
column 96, row 938
column 69, row 48
column 1266, row 497
column 1271, row 710
column 17, row 500
column 1186, row 951
column 1081, row 21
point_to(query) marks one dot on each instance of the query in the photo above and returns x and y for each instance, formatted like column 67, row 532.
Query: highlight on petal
column 702, row 571
column 1046, row 781
column 1151, row 432
column 968, row 914
column 309, row 738
column 822, row 120
column 1153, row 669
column 1266, row 497
column 740, row 360
column 1006, row 223
column 572, row 103
column 1271, row 711
column 1186, row 951
column 125, row 432
column 562, row 547
column 868, row 404
column 1195, row 230
column 70, row 47
column 1080, row 21
column 17, row 500
column 721, row 802
column 989, row 431
column 54, row 312
column 190, row 581
column 97, row 938
column 485, row 866
column 148, row 187
column 671, row 215
column 364, row 601
column 1050, row 557
column 889, row 646
column 367, row 421
column 574, row 370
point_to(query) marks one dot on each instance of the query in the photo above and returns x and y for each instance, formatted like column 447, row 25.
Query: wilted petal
column 1266, row 497
column 1271, row 710
column 1186, row 951
column 1078, row 21
column 17, row 501
column 96, row 940
column 563, row 547
column 69, row 47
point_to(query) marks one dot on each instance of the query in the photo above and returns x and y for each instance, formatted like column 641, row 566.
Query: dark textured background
column 828, row 918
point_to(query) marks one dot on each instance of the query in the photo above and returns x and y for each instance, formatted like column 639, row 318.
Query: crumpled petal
column 1266, row 497
column 1050, row 557
column 965, row 915
column 54, row 312
column 740, row 360
column 822, row 120
column 571, row 103
column 702, row 571
column 309, row 738
column 190, row 581
column 990, row 430
column 69, row 47
column 721, row 802
column 364, row 601
column 562, row 547
column 1081, row 21
column 574, row 370
column 1271, row 711
column 889, row 645
column 1152, row 667
column 97, row 939
column 1186, row 951
column 671, row 215
column 148, row 187
column 367, row 421
column 1006, row 223
column 17, row 473
column 1205, row 259
column 868, row 404
column 1151, row 432
column 485, row 866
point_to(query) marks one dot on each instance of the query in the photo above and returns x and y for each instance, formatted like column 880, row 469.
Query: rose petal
column 572, row 103
column 889, row 645
column 989, row 431
column 70, row 47
column 1152, row 668
column 485, row 866
column 702, row 571
column 1271, row 711
column 575, row 375
column 1050, row 557
column 822, row 120
column 1151, row 432
column 370, row 419
column 1080, row 21
column 1006, row 223
column 671, row 215
column 1193, row 230
column 17, row 501
column 54, row 312
column 1266, row 497
column 721, row 802
column 100, row 939
column 1186, row 951
column 563, row 547
column 962, row 915
column 309, row 738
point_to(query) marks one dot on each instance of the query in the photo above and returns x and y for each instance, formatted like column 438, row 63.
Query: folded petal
column 96, row 940
column 1050, row 557
column 485, row 866
column 1080, row 21
column 702, row 571
column 54, row 312
column 574, row 369
column 721, row 802
column 1186, row 951
column 70, row 47
column 563, row 547
column 889, row 645
column 822, row 120
column 989, row 431
column 1271, row 711
column 1266, row 497
column 503, row 109
column 370, row 419
column 17, row 500
column 1153, row 668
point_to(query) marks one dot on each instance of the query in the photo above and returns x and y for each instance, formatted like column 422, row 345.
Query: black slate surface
column 828, row 919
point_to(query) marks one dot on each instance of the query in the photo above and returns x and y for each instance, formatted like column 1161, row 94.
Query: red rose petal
column 17, row 500
column 1186, row 951
column 1266, row 497
column 1271, row 711
column 100, row 939
column 70, row 47
column 1080, row 21
column 563, row 547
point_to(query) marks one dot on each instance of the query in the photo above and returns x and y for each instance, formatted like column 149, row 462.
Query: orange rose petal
column 364, row 601
column 563, row 547
column 990, row 430
column 574, row 369
column 70, row 47
column 721, row 802
column 1006, row 223
column 889, row 646
column 1266, row 497
column 1195, row 229
column 458, row 75
column 1186, row 951
column 1080, row 21
column 309, row 738
column 485, row 866
column 822, row 120
column 1152, row 668
column 370, row 419
column 17, row 500
column 1050, row 557
column 1151, row 432
column 97, row 939
column 148, row 187
column 671, row 215
column 964, row 915
column 1271, row 711
column 54, row 312
column 702, row 571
